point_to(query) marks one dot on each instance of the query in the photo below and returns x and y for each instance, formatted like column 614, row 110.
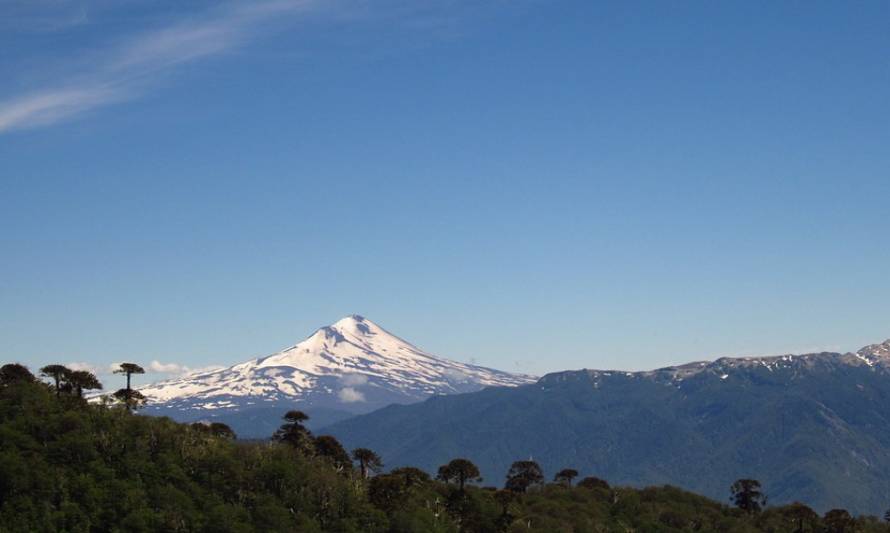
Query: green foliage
column 13, row 373
column 129, row 398
column 81, row 380
column 565, row 476
column 747, row 496
column 524, row 474
column 594, row 483
column 459, row 471
column 66, row 465
column 330, row 448
column 838, row 521
column 368, row 461
column 412, row 476
column 294, row 433
column 58, row 373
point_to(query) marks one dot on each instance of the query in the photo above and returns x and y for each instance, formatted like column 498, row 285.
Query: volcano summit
column 350, row 367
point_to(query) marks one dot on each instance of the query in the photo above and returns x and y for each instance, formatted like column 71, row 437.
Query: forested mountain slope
column 66, row 465
column 813, row 428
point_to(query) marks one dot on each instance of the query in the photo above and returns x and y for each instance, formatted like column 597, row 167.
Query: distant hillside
column 814, row 428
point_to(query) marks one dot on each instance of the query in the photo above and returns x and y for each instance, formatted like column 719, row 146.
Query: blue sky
column 530, row 185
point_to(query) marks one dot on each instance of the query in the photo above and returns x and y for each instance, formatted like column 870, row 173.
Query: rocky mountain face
column 813, row 428
column 350, row 367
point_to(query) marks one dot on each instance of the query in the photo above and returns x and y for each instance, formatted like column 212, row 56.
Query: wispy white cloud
column 165, row 368
column 78, row 365
column 36, row 16
column 201, row 370
column 128, row 72
column 177, row 370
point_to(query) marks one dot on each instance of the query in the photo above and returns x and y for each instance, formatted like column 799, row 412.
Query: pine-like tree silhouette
column 12, row 373
column 747, row 495
column 565, row 476
column 838, row 521
column 459, row 471
column 81, row 380
column 387, row 492
column 411, row 476
column 522, row 475
column 294, row 433
column 130, row 398
column 223, row 431
column 329, row 447
column 368, row 461
column 129, row 369
column 215, row 429
column 58, row 373
column 800, row 516
column 594, row 483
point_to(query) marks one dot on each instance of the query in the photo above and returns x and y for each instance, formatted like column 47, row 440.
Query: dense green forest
column 70, row 465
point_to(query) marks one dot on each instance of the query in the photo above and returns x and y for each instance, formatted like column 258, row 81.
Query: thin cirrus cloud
column 128, row 72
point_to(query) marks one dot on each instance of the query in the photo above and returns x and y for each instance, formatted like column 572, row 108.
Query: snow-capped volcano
column 353, row 366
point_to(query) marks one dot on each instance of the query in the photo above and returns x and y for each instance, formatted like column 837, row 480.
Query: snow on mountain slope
column 353, row 365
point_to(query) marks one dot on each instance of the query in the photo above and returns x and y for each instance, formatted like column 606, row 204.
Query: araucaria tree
column 58, row 373
column 522, row 475
column 294, row 433
column 594, row 483
column 368, row 461
column 12, row 373
column 130, row 398
column 801, row 517
column 330, row 448
column 82, row 380
column 222, row 431
column 459, row 471
column 747, row 496
column 129, row 369
column 838, row 521
column 565, row 476
column 411, row 476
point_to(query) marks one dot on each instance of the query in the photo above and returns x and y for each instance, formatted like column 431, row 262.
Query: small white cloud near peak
column 350, row 395
column 166, row 368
